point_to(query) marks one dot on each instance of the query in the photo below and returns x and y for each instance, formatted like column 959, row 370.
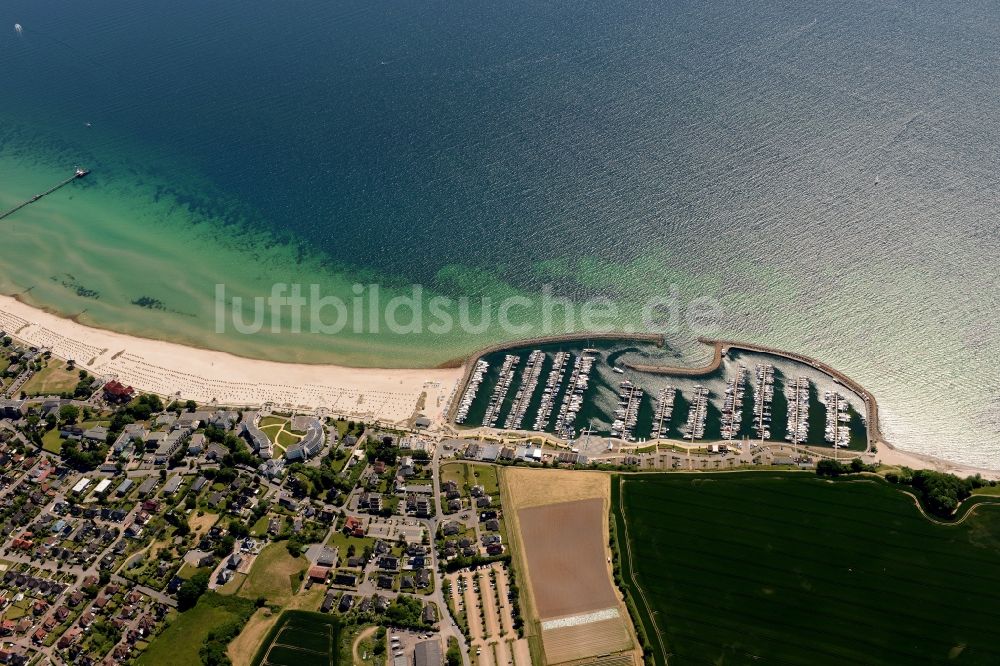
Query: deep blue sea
column 826, row 171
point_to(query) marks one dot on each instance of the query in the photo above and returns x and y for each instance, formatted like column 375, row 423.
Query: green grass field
column 180, row 642
column 287, row 438
column 301, row 638
column 343, row 542
column 758, row 568
column 468, row 474
column 274, row 575
column 52, row 442
column 54, row 378
column 279, row 431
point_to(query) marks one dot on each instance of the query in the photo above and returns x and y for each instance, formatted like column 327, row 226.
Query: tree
column 191, row 590
column 941, row 493
column 141, row 412
column 225, row 546
column 69, row 413
column 454, row 655
column 238, row 529
column 830, row 468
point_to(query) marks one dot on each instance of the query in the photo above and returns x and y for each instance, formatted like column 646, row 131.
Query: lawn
column 787, row 568
column 233, row 586
column 200, row 525
column 486, row 476
column 180, row 642
column 278, row 431
column 53, row 379
column 52, row 442
column 187, row 571
column 287, row 438
column 343, row 542
column 260, row 527
column 18, row 609
column 272, row 431
column 274, row 575
column 460, row 473
column 467, row 475
column 338, row 464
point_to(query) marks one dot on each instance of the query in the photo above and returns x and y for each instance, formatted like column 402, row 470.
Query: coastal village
column 119, row 508
column 124, row 512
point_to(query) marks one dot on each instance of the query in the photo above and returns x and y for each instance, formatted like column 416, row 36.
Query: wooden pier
column 79, row 173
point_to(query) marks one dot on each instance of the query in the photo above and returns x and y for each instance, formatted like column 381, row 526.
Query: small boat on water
column 81, row 172
column 619, row 370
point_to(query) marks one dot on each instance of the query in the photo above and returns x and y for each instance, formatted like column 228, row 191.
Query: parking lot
column 400, row 643
column 484, row 594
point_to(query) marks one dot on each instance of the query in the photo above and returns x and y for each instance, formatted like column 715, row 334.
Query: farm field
column 559, row 535
column 301, row 638
column 745, row 568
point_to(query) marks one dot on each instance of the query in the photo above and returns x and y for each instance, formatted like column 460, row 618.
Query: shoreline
column 388, row 395
column 172, row 370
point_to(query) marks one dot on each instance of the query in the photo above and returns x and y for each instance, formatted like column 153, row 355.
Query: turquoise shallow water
column 826, row 173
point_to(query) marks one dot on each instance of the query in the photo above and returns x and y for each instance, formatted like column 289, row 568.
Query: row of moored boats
column 469, row 396
column 664, row 411
column 697, row 414
column 551, row 391
column 572, row 400
column 838, row 420
column 529, row 382
column 732, row 404
column 627, row 413
column 797, row 394
column 510, row 362
column 763, row 395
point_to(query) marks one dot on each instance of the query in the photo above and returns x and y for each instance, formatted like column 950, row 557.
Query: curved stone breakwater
column 722, row 347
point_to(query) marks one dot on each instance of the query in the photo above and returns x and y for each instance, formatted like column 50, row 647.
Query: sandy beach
column 172, row 370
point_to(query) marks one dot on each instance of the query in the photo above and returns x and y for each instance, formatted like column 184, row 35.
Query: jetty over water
column 79, row 173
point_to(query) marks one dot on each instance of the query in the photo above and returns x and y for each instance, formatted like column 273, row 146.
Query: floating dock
column 524, row 394
column 552, row 387
column 763, row 393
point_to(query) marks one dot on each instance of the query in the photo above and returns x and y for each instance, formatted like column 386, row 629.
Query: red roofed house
column 117, row 392
column 69, row 638
column 318, row 573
